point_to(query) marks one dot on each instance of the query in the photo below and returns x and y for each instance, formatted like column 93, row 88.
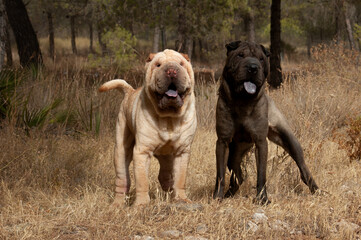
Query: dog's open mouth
column 172, row 98
column 250, row 87
column 172, row 91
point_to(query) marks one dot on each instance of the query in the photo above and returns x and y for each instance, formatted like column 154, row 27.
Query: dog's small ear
column 186, row 57
column 232, row 45
column 265, row 51
column 150, row 57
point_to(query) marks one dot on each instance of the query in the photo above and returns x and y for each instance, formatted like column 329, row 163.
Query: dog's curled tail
column 119, row 84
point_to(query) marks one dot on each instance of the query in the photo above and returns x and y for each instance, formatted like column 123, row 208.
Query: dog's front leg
column 141, row 157
column 180, row 174
column 261, row 161
column 222, row 153
column 225, row 131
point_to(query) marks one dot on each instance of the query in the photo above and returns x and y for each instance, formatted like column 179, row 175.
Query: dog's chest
column 169, row 130
column 250, row 123
column 165, row 149
column 173, row 136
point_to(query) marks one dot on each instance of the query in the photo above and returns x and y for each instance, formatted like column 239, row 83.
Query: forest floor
column 57, row 178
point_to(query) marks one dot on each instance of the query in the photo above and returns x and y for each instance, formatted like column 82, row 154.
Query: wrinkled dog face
column 169, row 81
column 246, row 68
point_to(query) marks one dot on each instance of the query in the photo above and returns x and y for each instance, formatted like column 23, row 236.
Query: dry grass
column 56, row 182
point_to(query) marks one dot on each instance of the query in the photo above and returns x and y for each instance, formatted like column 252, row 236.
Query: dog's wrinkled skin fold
column 158, row 119
column 246, row 116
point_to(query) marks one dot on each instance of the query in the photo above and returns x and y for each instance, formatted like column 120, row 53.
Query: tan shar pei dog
column 157, row 119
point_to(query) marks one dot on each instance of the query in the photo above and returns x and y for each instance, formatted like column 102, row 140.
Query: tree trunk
column 275, row 79
column 72, row 32
column 339, row 23
column 91, row 48
column 189, row 49
column 349, row 27
column 51, row 35
column 26, row 40
column 164, row 38
column 349, row 33
column 156, row 38
column 9, row 55
column 102, row 45
column 2, row 34
column 249, row 26
column 309, row 45
column 180, row 44
column 199, row 53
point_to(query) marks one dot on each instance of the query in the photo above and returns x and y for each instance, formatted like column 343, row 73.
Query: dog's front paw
column 231, row 191
column 218, row 193
column 119, row 201
column 141, row 199
column 180, row 195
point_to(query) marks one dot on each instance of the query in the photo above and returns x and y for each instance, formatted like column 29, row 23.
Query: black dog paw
column 231, row 192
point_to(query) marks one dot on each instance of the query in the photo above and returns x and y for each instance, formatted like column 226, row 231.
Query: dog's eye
column 261, row 59
column 158, row 64
column 181, row 63
column 241, row 55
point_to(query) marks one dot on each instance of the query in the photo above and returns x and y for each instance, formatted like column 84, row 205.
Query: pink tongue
column 250, row 87
column 171, row 93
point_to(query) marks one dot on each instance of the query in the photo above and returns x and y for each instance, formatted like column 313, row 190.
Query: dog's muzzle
column 252, row 69
column 171, row 88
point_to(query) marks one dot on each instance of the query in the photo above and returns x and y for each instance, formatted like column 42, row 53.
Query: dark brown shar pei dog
column 158, row 119
column 246, row 116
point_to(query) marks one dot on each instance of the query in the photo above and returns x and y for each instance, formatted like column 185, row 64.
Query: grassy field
column 57, row 174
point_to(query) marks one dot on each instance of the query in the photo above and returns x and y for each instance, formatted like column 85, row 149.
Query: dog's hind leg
column 281, row 134
column 123, row 154
column 237, row 150
column 285, row 138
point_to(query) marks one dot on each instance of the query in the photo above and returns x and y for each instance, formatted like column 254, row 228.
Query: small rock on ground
column 251, row 226
column 343, row 224
column 202, row 228
column 187, row 206
column 279, row 225
column 137, row 237
column 195, row 238
column 259, row 217
column 170, row 234
column 296, row 232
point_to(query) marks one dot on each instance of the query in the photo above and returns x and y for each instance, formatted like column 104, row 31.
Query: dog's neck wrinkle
column 167, row 124
column 174, row 126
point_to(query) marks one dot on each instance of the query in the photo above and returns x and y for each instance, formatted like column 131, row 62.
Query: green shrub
column 9, row 98
column 37, row 117
column 120, row 49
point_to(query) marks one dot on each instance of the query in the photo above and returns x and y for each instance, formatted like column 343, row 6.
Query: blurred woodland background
column 57, row 132
column 116, row 32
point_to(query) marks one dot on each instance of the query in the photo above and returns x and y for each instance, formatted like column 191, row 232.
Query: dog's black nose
column 252, row 68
